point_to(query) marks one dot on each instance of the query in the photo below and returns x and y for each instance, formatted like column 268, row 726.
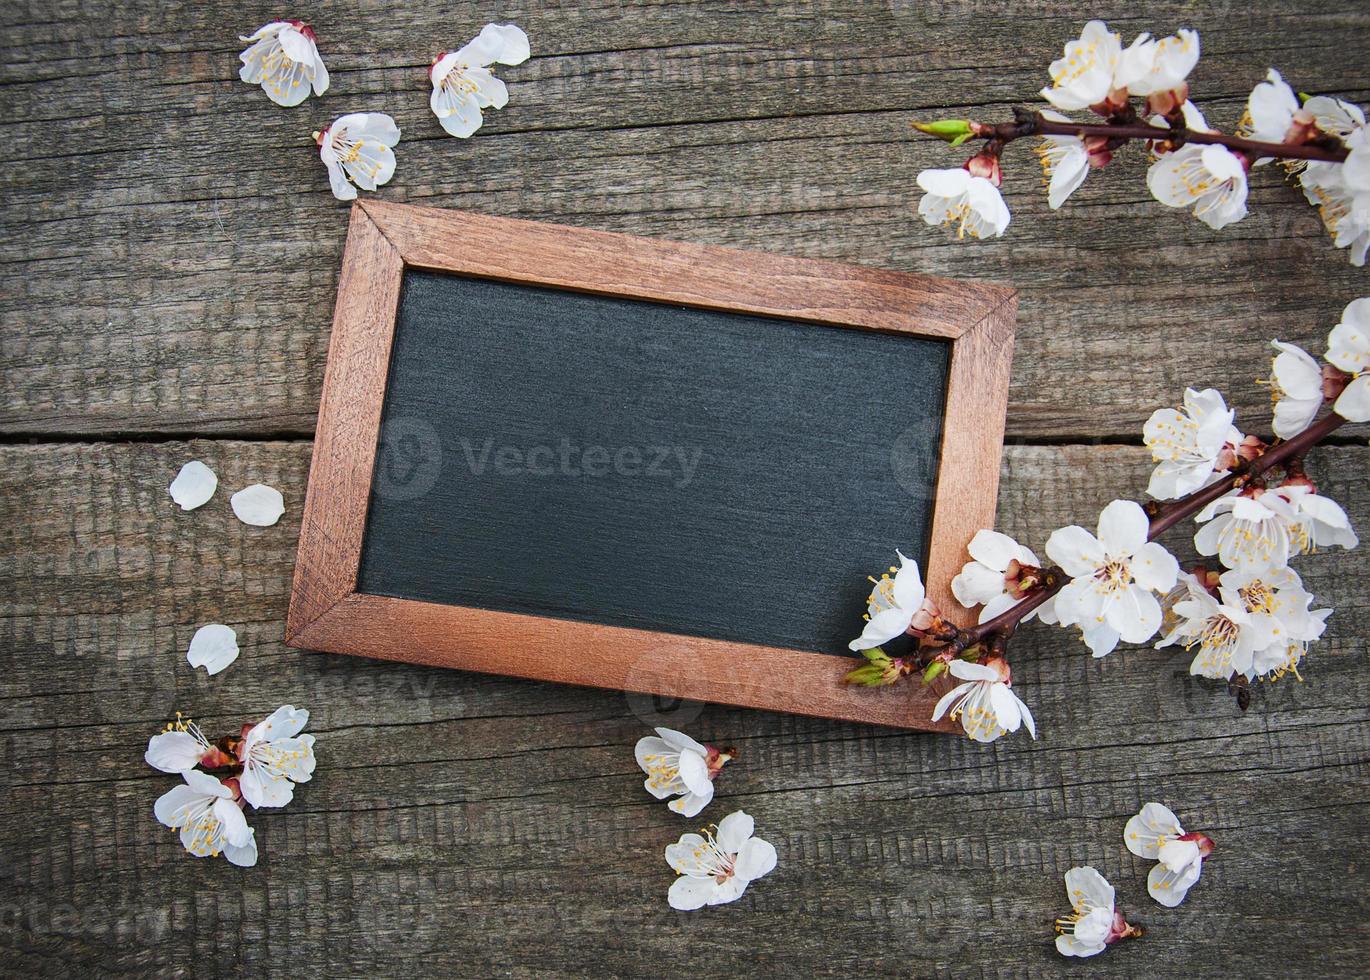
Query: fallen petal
column 194, row 485
column 258, row 505
column 213, row 647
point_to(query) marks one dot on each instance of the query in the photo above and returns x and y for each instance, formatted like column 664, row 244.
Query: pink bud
column 986, row 164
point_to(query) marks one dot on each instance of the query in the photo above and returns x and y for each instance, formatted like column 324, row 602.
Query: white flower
column 1335, row 116
column 258, row 505
column 1348, row 349
column 1277, row 660
column 357, row 149
column 193, row 486
column 892, row 605
column 463, row 84
column 1247, row 530
column 1342, row 196
column 284, row 60
column 275, row 756
column 1295, row 388
column 1155, row 833
column 677, row 765
column 209, row 820
column 181, row 746
column 1095, row 923
column 213, row 647
column 717, row 869
column 985, row 703
column 1318, row 521
column 1153, row 66
column 1277, row 602
column 1259, row 529
column 1210, row 177
column 1270, row 110
column 997, row 577
column 1113, row 577
column 970, row 202
column 1065, row 162
column 1226, row 635
column 1186, row 445
column 1083, row 75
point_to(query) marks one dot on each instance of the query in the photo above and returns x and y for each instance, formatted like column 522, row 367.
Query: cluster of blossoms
column 1095, row 923
column 1257, row 510
column 713, row 867
column 259, row 766
column 1142, row 92
column 358, row 148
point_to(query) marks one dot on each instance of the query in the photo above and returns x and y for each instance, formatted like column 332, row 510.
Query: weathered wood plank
column 169, row 249
column 474, row 826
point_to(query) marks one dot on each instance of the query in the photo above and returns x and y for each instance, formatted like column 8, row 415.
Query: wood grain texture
column 464, row 825
column 169, row 242
column 731, row 667
column 168, row 254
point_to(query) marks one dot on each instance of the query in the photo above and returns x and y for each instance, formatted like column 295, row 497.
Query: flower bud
column 954, row 131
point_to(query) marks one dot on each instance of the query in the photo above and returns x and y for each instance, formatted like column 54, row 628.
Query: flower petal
column 1076, row 550
column 691, row 804
column 173, row 752
column 908, row 586
column 1155, row 568
column 755, row 860
column 1170, row 887
column 234, row 824
column 213, row 647
column 243, row 855
column 687, row 893
column 1087, row 889
column 502, row 43
column 169, row 805
column 685, row 855
column 259, row 505
column 977, row 584
column 694, row 772
column 883, row 627
column 733, row 831
column 994, row 549
column 679, row 741
column 205, row 784
column 1135, row 614
column 194, row 485
column 1123, row 527
column 1353, row 404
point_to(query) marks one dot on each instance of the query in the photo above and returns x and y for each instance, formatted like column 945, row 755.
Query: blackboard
column 591, row 458
column 637, row 464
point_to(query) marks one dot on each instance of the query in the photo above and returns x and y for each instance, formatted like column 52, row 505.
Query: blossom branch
column 1117, row 132
column 1142, row 92
column 1163, row 517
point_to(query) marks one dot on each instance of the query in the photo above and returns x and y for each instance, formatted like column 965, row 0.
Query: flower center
column 662, row 769
column 1114, row 576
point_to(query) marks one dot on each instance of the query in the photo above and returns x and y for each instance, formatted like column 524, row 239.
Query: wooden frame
column 326, row 611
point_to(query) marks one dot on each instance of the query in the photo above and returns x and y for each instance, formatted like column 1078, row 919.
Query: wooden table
column 170, row 255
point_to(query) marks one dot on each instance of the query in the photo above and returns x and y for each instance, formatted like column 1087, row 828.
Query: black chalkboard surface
column 657, row 467
column 639, row 464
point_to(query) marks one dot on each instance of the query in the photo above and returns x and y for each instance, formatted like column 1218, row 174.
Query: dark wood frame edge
column 383, row 239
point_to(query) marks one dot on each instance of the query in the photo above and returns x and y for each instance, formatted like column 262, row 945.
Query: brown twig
column 1028, row 124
